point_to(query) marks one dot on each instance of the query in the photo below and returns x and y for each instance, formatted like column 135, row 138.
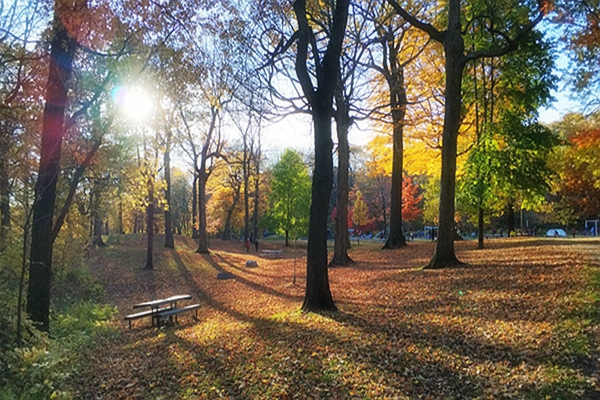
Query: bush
column 42, row 367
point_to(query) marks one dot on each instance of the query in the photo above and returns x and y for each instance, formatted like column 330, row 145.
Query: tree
column 290, row 195
column 514, row 26
column 19, row 22
column 225, row 189
column 348, row 97
column 62, row 52
column 411, row 199
column 169, row 241
column 397, row 48
column 520, row 165
column 180, row 203
column 326, row 65
column 515, row 86
column 578, row 23
column 359, row 214
column 578, row 188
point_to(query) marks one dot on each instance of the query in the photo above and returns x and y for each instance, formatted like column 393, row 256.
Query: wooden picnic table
column 156, row 304
column 271, row 253
column 162, row 308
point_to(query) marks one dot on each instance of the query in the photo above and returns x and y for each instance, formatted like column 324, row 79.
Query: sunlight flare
column 134, row 102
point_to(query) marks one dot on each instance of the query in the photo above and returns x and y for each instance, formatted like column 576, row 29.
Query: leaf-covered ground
column 521, row 320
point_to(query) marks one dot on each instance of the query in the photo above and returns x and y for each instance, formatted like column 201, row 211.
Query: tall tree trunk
column 342, row 238
column 396, row 238
column 4, row 200
column 195, row 206
column 256, row 193
column 510, row 214
column 121, row 230
column 444, row 255
column 98, row 230
column 382, row 192
column 246, row 172
column 169, row 241
column 318, row 294
column 5, row 145
column 96, row 218
column 150, row 222
column 203, row 174
column 96, row 222
column 480, row 210
column 62, row 51
column 398, row 103
column 480, row 227
column 202, row 235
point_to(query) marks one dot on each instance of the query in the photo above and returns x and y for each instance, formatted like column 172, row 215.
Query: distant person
column 256, row 245
column 573, row 232
column 247, row 245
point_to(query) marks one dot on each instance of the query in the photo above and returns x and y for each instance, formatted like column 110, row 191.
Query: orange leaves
column 411, row 199
column 586, row 139
column 493, row 329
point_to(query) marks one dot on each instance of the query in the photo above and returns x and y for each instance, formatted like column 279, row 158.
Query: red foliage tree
column 411, row 199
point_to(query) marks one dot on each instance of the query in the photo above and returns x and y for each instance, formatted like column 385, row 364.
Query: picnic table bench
column 163, row 308
column 271, row 253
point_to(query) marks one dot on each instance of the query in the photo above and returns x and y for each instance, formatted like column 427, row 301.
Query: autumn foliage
column 520, row 322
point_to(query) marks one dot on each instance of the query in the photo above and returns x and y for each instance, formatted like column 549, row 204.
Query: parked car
column 556, row 233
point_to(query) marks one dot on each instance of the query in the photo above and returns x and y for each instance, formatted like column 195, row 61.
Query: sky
column 295, row 131
column 562, row 106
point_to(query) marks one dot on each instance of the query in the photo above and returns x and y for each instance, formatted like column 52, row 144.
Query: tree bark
column 202, row 235
column 480, row 210
column 4, row 200
column 318, row 294
column 6, row 139
column 256, row 192
column 98, row 225
column 195, row 206
column 511, row 216
column 398, row 103
column 396, row 237
column 246, row 172
column 150, row 222
column 62, row 51
column 444, row 255
column 480, row 227
column 169, row 241
column 96, row 217
column 342, row 238
column 203, row 175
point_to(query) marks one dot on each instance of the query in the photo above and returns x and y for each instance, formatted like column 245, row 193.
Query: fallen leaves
column 494, row 329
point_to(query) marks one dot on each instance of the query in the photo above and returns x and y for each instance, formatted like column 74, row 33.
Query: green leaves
column 290, row 197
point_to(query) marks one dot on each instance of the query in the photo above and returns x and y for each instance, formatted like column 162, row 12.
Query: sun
column 134, row 102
